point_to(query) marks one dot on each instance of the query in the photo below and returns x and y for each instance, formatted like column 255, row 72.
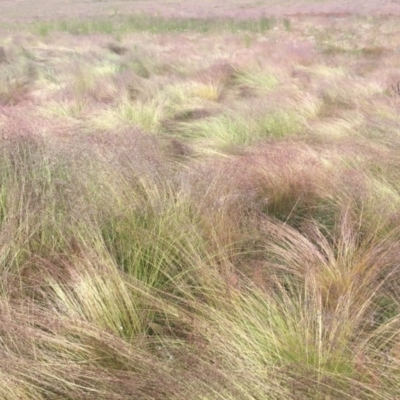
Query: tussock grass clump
column 258, row 80
column 240, row 128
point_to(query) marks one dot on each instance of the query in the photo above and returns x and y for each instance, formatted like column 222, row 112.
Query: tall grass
column 103, row 261
column 203, row 231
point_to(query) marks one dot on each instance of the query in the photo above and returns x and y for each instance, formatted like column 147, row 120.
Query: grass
column 15, row 82
column 227, row 130
column 198, row 212
column 258, row 80
column 122, row 25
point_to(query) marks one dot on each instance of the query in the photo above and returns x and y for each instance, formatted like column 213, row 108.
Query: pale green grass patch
column 188, row 95
column 347, row 124
column 308, row 107
column 222, row 130
column 138, row 66
column 123, row 24
column 261, row 81
column 230, row 129
column 104, row 69
column 100, row 295
column 281, row 123
column 329, row 72
column 347, row 95
column 284, row 335
column 210, row 92
column 146, row 116
column 141, row 114
column 384, row 199
column 74, row 108
column 83, row 80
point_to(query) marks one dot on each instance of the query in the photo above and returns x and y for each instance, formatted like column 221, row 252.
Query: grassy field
column 200, row 209
column 25, row 10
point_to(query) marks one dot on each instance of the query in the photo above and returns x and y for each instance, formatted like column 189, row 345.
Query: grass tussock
column 186, row 215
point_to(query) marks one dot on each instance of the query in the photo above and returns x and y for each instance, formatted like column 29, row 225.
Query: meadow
column 200, row 208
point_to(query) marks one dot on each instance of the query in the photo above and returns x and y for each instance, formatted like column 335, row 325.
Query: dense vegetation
column 209, row 212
